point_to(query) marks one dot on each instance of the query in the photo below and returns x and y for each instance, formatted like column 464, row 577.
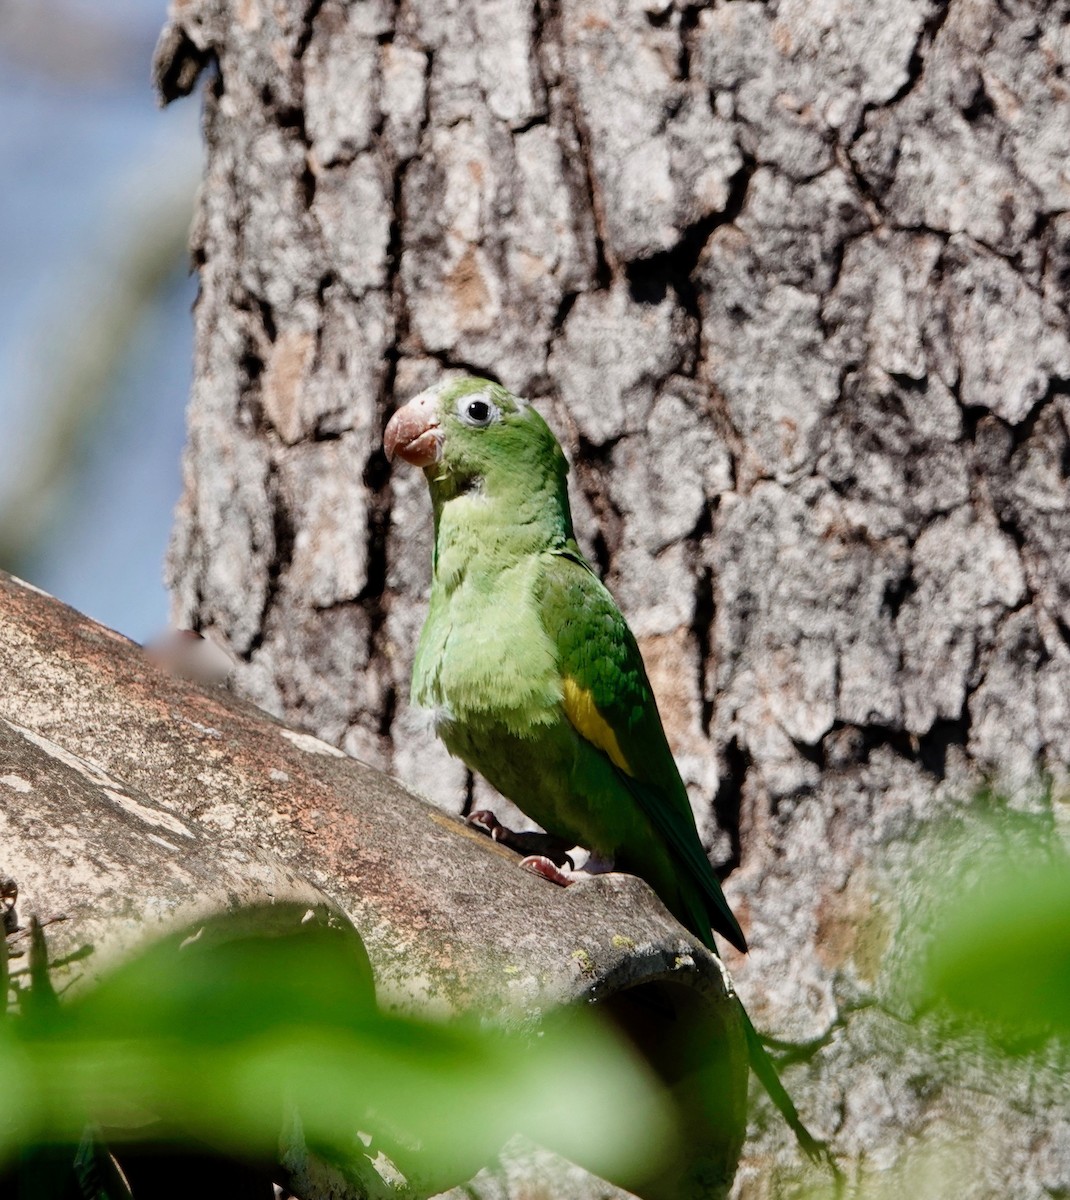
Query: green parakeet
column 529, row 669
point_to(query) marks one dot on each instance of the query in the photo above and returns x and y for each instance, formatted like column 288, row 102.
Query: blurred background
column 95, row 297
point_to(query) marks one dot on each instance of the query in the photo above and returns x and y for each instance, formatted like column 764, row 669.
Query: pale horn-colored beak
column 413, row 433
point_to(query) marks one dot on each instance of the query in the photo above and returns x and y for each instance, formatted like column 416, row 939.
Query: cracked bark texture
column 792, row 281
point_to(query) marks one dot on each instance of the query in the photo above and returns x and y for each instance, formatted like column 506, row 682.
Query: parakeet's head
column 471, row 435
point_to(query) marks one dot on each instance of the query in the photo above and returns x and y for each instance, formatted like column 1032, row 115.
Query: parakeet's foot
column 556, row 873
column 539, row 864
column 540, row 845
column 486, row 822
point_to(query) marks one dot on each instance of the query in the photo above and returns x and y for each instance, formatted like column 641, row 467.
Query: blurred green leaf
column 1001, row 947
column 223, row 1036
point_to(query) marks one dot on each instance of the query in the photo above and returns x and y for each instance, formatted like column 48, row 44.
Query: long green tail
column 762, row 1065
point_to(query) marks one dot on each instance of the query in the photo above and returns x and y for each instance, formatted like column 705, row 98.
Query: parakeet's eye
column 476, row 411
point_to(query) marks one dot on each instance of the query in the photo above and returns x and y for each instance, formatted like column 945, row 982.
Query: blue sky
column 92, row 172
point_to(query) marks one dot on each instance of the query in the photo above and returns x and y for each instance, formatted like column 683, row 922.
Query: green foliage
column 255, row 1022
column 1004, row 950
column 981, row 995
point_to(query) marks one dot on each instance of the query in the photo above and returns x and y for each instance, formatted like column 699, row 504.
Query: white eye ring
column 477, row 410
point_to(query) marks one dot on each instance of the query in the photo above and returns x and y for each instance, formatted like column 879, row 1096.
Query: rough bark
column 133, row 803
column 791, row 281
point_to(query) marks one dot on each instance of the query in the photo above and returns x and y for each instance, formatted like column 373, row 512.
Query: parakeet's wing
column 608, row 700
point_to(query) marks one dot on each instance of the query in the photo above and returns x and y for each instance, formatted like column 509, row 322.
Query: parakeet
column 530, row 671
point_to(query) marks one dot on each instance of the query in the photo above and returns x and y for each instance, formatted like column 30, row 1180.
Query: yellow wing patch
column 589, row 722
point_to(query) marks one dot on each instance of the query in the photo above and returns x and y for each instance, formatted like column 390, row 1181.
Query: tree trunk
column 791, row 280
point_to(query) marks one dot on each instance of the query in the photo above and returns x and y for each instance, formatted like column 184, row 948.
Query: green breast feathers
column 483, row 653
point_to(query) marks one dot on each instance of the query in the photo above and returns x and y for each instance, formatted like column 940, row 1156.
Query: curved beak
column 413, row 433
